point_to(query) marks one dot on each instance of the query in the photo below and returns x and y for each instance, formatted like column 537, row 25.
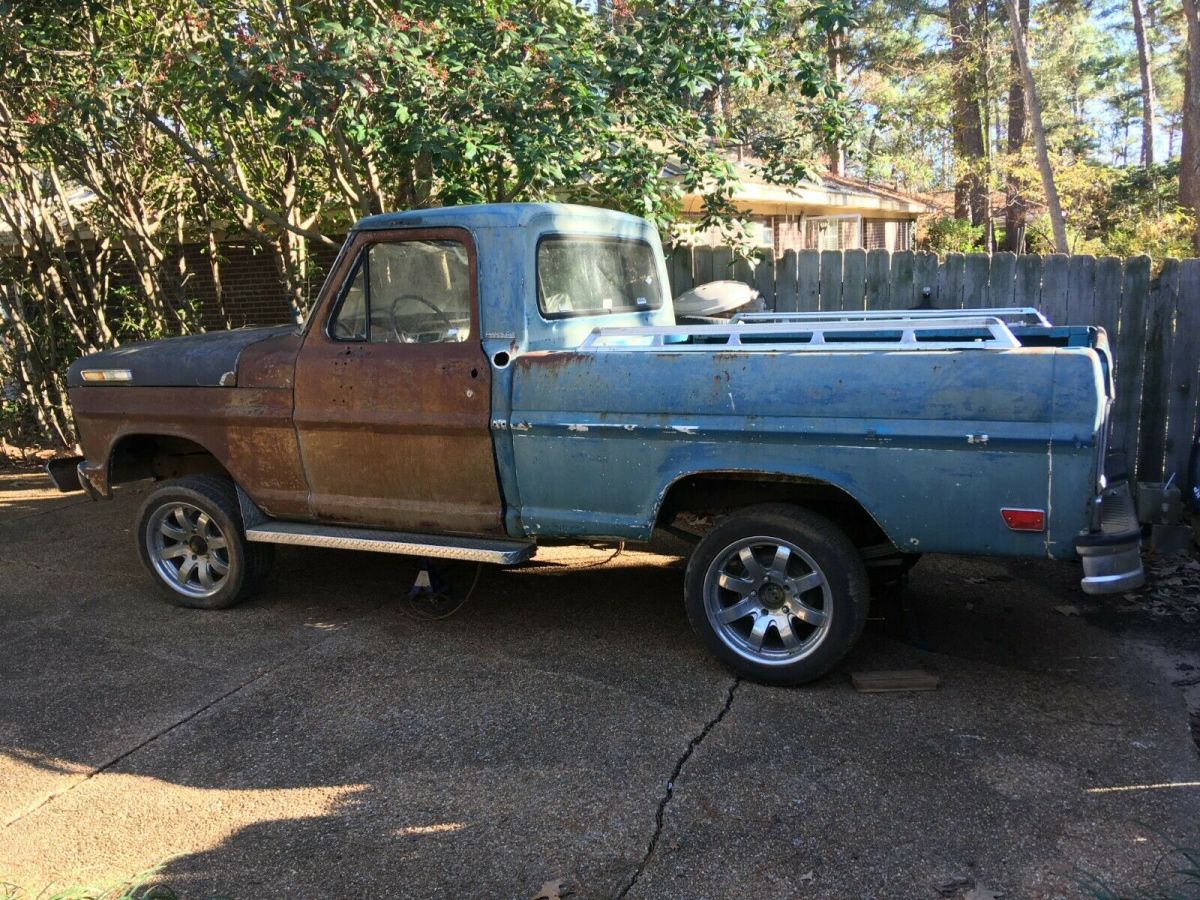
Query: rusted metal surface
column 248, row 430
column 270, row 363
column 397, row 435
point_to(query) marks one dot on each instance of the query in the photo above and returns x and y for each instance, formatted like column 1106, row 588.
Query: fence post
column 854, row 279
column 1053, row 301
column 809, row 276
column 681, row 270
column 764, row 278
column 1106, row 307
column 879, row 288
column 1081, row 290
column 1027, row 287
column 1182, row 381
column 831, row 280
column 925, row 276
column 904, row 292
column 950, row 281
column 976, row 271
column 1152, row 429
column 1000, row 285
column 786, row 298
column 1131, row 337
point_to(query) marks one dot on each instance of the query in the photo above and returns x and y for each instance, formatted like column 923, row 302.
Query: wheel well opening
column 158, row 456
column 694, row 502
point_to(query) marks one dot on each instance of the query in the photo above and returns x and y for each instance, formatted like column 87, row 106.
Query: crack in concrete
column 163, row 732
column 660, row 816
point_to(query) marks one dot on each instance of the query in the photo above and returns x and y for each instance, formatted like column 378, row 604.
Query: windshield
column 582, row 276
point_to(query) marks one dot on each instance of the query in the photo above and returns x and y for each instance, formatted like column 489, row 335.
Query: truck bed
column 600, row 432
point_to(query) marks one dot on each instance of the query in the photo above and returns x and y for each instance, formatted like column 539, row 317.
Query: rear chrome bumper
column 1112, row 555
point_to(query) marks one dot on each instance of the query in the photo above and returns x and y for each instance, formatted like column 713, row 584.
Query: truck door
column 392, row 391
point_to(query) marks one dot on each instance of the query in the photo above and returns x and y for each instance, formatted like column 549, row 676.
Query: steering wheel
column 557, row 302
column 395, row 308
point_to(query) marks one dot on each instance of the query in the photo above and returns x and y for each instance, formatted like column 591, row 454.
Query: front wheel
column 190, row 538
column 778, row 593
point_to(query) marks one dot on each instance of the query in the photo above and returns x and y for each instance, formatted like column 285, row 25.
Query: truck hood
column 197, row 360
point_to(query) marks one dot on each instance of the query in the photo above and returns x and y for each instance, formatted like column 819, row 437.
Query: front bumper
column 1112, row 555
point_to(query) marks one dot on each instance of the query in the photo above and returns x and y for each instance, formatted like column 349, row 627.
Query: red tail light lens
column 1024, row 519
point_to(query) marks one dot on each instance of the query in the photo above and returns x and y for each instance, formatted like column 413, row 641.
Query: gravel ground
column 564, row 734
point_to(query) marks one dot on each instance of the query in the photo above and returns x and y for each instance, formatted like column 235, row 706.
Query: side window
column 351, row 321
column 408, row 292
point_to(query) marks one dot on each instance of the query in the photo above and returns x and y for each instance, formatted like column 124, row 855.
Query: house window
column 833, row 232
column 885, row 234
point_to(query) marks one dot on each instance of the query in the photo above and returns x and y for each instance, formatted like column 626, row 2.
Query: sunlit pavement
column 322, row 740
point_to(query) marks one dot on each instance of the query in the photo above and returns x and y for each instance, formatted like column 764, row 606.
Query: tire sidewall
column 235, row 541
column 834, row 554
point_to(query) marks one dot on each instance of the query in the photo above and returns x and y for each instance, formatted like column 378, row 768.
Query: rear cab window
column 582, row 275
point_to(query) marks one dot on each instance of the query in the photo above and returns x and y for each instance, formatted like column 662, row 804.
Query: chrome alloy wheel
column 768, row 600
column 188, row 551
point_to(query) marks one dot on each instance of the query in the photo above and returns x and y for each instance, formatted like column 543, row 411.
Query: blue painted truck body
column 931, row 443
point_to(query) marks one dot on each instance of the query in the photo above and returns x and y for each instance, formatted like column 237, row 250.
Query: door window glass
column 409, row 292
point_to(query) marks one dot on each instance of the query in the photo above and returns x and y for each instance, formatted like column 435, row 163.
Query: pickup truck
column 473, row 381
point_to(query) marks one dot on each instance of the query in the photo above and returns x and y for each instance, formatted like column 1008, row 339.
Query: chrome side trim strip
column 505, row 553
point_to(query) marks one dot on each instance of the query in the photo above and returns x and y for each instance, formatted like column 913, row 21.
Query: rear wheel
column 778, row 593
column 190, row 538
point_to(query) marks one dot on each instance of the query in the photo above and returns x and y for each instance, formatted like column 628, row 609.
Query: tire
column 790, row 612
column 194, row 523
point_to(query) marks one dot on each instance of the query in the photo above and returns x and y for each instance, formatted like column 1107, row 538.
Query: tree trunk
column 1189, row 151
column 1057, row 224
column 834, row 49
column 1143, row 49
column 971, row 199
column 1016, row 207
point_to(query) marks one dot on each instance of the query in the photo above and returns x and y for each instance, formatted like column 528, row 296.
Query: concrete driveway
column 565, row 728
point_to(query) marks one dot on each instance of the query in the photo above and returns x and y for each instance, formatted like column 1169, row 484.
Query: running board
column 505, row 553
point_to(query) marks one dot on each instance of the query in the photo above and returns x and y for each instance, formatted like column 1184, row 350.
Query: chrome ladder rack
column 821, row 332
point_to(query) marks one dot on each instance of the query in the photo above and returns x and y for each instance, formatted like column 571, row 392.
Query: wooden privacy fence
column 1153, row 324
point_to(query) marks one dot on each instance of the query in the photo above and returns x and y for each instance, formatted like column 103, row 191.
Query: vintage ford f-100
column 472, row 381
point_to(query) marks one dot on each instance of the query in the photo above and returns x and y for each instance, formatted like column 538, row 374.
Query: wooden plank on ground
column 925, row 278
column 1129, row 356
column 976, row 270
column 681, row 270
column 899, row 680
column 831, row 280
column 904, row 292
column 879, row 288
column 1081, row 290
column 1152, row 429
column 1000, row 284
column 764, row 277
column 809, row 280
column 786, row 299
column 1184, row 380
column 1055, row 272
column 854, row 279
column 1027, row 286
column 950, row 282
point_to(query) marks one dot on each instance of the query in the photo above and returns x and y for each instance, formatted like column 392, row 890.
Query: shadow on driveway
column 319, row 741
